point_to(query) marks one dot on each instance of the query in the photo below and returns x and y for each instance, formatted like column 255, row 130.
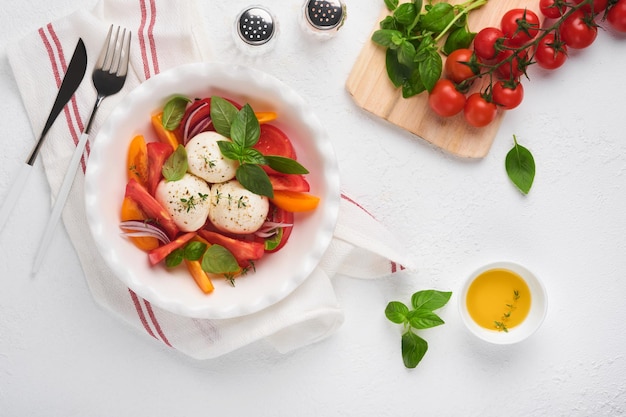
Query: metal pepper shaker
column 323, row 18
column 255, row 30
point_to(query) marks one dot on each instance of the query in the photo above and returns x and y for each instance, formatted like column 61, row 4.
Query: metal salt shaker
column 323, row 18
column 256, row 30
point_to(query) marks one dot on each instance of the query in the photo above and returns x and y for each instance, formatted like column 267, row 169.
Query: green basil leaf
column 175, row 258
column 194, row 250
column 438, row 17
column 285, row 165
column 406, row 14
column 223, row 113
column 430, row 299
column 176, row 165
column 245, row 130
column 273, row 241
column 418, row 5
column 429, row 64
column 520, row 167
column 397, row 312
column 388, row 38
column 254, row 179
column 391, row 4
column 424, row 319
column 253, row 156
column 413, row 349
column 230, row 150
column 406, row 53
column 396, row 72
column 173, row 112
column 413, row 85
column 219, row 260
column 390, row 23
column 457, row 39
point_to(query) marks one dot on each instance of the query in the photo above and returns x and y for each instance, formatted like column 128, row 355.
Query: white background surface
column 62, row 355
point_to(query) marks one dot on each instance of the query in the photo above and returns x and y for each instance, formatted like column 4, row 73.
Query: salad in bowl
column 212, row 191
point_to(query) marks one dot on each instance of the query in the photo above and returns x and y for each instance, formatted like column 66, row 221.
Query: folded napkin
column 167, row 34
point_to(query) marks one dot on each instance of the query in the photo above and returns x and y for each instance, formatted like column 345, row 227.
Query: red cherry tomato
column 507, row 94
column 520, row 26
column 445, row 99
column 514, row 67
column 460, row 65
column 616, row 16
column 578, row 31
column 550, row 9
column 478, row 111
column 598, row 6
column 549, row 53
column 485, row 43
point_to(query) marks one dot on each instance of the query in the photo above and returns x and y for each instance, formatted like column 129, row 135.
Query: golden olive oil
column 498, row 299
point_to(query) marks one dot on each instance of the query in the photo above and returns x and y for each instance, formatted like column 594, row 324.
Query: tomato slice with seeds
column 274, row 141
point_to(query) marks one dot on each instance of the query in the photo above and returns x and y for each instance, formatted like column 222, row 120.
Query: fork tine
column 124, row 55
column 105, row 50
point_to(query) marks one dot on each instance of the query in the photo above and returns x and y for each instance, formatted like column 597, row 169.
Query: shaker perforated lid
column 325, row 14
column 255, row 26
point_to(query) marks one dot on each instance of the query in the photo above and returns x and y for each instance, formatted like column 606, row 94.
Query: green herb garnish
column 175, row 167
column 501, row 324
column 174, row 111
column 219, row 260
column 411, row 37
column 520, row 167
column 243, row 129
column 421, row 316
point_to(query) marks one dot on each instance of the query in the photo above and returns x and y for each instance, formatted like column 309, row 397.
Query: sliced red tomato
column 291, row 182
column 274, row 141
column 243, row 251
column 151, row 207
column 158, row 153
column 157, row 255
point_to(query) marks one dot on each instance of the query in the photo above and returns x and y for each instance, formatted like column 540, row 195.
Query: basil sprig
column 174, row 111
column 420, row 316
column 411, row 35
column 176, row 165
column 244, row 131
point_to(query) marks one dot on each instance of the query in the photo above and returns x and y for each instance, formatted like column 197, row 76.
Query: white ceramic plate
column 536, row 315
column 277, row 274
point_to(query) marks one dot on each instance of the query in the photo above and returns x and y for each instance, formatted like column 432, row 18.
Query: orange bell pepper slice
column 200, row 276
column 164, row 135
column 295, row 201
column 265, row 116
column 131, row 211
column 137, row 160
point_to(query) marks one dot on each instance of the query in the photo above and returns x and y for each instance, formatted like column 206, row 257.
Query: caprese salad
column 216, row 190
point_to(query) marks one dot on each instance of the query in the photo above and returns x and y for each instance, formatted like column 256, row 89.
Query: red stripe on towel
column 155, row 322
column 345, row 197
column 146, row 39
column 140, row 313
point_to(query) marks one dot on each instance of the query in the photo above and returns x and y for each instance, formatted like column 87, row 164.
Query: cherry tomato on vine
column 616, row 16
column 578, row 31
column 551, row 9
column 512, row 68
column 445, row 99
column 478, row 111
column 550, row 53
column 507, row 94
column 461, row 64
column 598, row 6
column 520, row 26
column 485, row 43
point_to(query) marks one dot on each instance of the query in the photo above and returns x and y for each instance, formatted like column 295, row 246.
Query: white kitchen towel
column 167, row 34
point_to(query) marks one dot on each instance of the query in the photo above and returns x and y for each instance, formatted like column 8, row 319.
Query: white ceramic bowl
column 536, row 315
column 278, row 274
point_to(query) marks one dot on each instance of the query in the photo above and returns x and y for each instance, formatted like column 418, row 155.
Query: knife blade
column 71, row 80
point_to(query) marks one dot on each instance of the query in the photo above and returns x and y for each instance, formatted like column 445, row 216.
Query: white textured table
column 61, row 355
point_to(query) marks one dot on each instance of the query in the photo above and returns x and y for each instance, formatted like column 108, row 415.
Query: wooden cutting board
column 371, row 89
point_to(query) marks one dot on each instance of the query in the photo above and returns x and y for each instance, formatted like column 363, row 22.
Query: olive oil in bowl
column 502, row 303
column 498, row 299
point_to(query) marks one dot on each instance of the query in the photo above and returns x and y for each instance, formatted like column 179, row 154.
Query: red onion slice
column 136, row 228
column 186, row 135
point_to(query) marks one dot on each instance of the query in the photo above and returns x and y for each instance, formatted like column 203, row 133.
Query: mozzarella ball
column 206, row 160
column 186, row 200
column 234, row 209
